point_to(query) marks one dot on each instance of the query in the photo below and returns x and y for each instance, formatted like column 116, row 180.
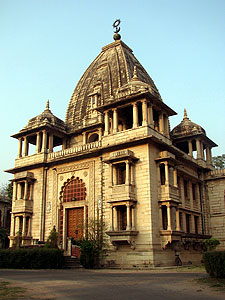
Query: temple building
column 116, row 159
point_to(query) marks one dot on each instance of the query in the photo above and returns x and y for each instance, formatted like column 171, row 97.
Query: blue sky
column 46, row 45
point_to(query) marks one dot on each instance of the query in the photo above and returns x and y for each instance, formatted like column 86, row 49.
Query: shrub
column 211, row 244
column 52, row 241
column 89, row 254
column 215, row 263
column 37, row 258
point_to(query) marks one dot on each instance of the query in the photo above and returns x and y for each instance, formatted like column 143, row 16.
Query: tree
column 219, row 161
column 6, row 190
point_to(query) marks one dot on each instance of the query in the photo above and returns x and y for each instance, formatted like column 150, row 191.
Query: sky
column 46, row 45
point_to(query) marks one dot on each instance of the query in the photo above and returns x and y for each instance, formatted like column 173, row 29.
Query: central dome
column 112, row 69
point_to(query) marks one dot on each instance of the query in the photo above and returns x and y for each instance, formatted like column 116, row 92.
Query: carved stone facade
column 118, row 161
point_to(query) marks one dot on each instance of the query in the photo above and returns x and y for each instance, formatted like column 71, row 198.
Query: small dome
column 186, row 128
column 45, row 118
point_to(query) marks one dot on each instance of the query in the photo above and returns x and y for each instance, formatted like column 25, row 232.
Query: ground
column 111, row 284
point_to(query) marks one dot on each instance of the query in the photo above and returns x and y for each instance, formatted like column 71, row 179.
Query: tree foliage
column 93, row 248
column 6, row 190
column 219, row 161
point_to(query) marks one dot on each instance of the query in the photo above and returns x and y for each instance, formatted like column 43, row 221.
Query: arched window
column 74, row 191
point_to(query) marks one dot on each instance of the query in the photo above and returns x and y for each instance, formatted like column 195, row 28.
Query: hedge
column 37, row 258
column 215, row 263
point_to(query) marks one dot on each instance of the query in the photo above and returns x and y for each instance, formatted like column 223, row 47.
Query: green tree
column 52, row 241
column 219, row 161
column 93, row 248
column 6, row 190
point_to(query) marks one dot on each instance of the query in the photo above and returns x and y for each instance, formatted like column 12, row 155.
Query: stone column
column 150, row 115
column 115, row 120
column 12, row 225
column 190, row 149
column 50, row 146
column 64, row 144
column 26, row 190
column 84, row 138
column 161, row 123
column 18, row 191
column 29, row 227
column 24, row 225
column 198, row 146
column 202, row 151
column 19, row 148
column 144, row 113
column 135, row 115
column 160, row 218
column 100, row 134
column 166, row 125
column 106, row 132
column 175, row 177
column 127, row 180
column 177, row 219
column 44, row 141
column 115, row 218
column 38, row 143
column 114, row 175
column 128, row 217
column 111, row 219
column 14, row 190
column 169, row 217
column 133, row 218
column 208, row 155
column 132, row 174
column 110, row 175
column 25, row 146
column 166, row 173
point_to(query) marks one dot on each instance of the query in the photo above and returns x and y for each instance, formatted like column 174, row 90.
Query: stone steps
column 72, row 262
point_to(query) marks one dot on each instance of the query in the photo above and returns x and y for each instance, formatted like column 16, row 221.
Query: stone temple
column 115, row 159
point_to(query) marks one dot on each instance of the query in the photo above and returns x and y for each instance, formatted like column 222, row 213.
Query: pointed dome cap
column 186, row 128
column 45, row 119
column 110, row 71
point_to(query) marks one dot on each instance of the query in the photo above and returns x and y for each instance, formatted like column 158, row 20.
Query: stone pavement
column 110, row 284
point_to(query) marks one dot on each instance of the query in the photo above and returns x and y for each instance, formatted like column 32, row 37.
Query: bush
column 88, row 254
column 37, row 258
column 211, row 244
column 52, row 241
column 215, row 263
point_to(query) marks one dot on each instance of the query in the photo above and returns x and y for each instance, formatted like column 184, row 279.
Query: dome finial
column 135, row 76
column 116, row 24
column 47, row 104
column 185, row 115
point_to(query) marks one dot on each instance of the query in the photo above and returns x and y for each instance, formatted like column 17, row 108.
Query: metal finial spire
column 47, row 104
column 185, row 114
column 116, row 24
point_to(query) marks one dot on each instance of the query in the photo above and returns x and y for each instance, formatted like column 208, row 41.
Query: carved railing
column 74, row 150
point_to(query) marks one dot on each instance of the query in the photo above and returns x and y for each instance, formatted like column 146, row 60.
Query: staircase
column 72, row 262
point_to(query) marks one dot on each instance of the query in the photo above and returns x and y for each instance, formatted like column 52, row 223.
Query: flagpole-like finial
column 116, row 24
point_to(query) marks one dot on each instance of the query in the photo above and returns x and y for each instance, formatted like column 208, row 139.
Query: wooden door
column 75, row 223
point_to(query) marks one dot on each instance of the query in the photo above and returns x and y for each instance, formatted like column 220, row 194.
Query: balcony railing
column 75, row 150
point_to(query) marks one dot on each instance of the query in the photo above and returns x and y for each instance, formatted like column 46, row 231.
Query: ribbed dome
column 186, row 128
column 45, row 118
column 112, row 69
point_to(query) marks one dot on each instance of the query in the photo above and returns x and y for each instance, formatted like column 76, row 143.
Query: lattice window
column 74, row 191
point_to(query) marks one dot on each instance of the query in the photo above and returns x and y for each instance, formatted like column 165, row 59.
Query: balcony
column 169, row 193
column 123, row 237
column 22, row 206
column 121, row 192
